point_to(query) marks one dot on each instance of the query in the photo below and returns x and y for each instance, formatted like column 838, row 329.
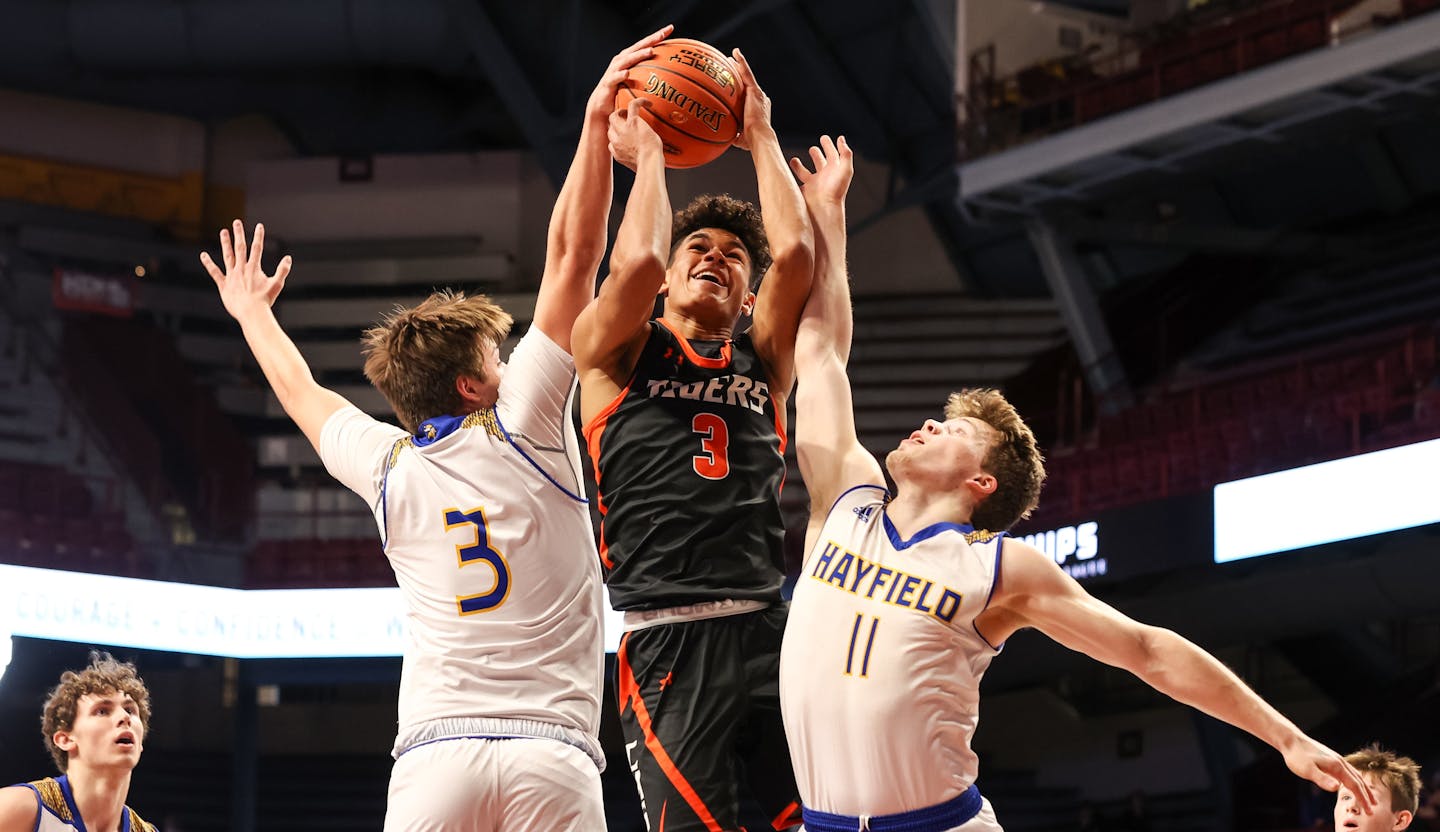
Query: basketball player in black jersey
column 685, row 422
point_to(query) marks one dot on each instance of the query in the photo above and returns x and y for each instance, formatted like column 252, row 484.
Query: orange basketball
column 692, row 99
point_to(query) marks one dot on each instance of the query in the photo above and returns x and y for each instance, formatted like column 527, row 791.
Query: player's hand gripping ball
column 692, row 98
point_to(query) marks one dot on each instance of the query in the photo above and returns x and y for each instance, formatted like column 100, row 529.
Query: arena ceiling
column 344, row 77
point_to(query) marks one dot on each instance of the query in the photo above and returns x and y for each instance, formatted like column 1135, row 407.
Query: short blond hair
column 414, row 355
column 1014, row 459
column 104, row 675
column 1401, row 775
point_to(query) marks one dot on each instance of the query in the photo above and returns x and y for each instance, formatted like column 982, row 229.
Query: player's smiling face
column 107, row 731
column 1349, row 817
column 710, row 270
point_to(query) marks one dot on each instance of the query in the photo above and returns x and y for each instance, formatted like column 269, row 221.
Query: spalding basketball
column 692, row 99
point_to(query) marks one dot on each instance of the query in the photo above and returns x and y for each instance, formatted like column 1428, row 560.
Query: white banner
column 1357, row 496
column 207, row 620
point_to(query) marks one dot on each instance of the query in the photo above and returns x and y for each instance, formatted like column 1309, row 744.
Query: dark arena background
column 1196, row 242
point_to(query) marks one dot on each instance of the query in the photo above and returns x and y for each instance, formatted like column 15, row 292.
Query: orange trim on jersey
column 696, row 358
column 784, row 439
column 789, row 817
column 629, row 693
column 592, row 433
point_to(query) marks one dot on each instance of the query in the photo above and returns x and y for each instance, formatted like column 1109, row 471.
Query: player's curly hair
column 1014, row 460
column 1401, row 775
column 104, row 675
column 414, row 355
column 737, row 216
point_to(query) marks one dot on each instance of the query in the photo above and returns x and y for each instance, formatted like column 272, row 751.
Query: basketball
column 691, row 97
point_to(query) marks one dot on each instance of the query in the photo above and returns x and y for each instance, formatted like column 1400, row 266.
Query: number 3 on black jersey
column 479, row 550
column 714, row 461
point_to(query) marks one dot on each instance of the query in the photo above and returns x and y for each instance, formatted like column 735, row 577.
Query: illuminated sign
column 207, row 620
column 1075, row 548
column 1343, row 499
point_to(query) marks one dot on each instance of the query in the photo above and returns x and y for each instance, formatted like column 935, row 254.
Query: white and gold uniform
column 57, row 811
column 484, row 521
column 880, row 670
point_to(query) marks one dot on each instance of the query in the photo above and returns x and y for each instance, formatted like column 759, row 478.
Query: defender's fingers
column 283, row 270
column 817, row 157
column 828, row 146
column 845, row 151
column 238, row 232
column 801, row 172
column 227, row 251
column 212, row 269
column 257, row 245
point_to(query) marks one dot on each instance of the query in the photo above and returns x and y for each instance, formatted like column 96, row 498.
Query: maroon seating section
column 50, row 519
column 167, row 429
column 285, row 564
column 1371, row 395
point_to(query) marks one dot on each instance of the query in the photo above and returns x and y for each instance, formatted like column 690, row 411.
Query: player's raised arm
column 831, row 457
column 248, row 292
column 614, row 323
column 1034, row 592
column 787, row 227
column 576, row 241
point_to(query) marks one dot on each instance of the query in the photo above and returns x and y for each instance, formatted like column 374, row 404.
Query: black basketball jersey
column 690, row 459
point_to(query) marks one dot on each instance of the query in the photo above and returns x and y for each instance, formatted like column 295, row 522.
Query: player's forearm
column 642, row 244
column 829, row 302
column 1188, row 674
column 577, row 224
column 279, row 359
column 783, row 211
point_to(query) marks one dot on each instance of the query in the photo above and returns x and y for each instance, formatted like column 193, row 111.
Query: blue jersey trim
column 567, row 492
column 384, row 503
column 79, row 822
column 957, row 811
column 433, row 430
column 882, row 489
column 994, row 579
column 924, row 534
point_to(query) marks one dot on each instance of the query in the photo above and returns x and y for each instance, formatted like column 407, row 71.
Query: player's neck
column 916, row 508
column 691, row 329
column 100, row 796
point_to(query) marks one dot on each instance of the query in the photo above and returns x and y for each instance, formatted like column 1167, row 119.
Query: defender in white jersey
column 94, row 722
column 904, row 599
column 480, row 507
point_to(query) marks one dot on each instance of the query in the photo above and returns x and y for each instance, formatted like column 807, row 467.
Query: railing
column 1065, row 93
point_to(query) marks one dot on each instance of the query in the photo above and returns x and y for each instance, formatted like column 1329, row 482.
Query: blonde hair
column 1401, row 775
column 1014, row 459
column 104, row 675
column 414, row 355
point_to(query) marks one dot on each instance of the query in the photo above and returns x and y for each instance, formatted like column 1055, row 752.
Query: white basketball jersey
column 881, row 664
column 485, row 524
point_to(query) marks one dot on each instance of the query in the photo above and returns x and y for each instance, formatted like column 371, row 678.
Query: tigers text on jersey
column 881, row 664
column 485, row 525
column 58, row 812
column 690, row 459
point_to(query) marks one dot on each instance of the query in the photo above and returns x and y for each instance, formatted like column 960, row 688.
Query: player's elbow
column 795, row 257
column 642, row 264
column 1156, row 654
